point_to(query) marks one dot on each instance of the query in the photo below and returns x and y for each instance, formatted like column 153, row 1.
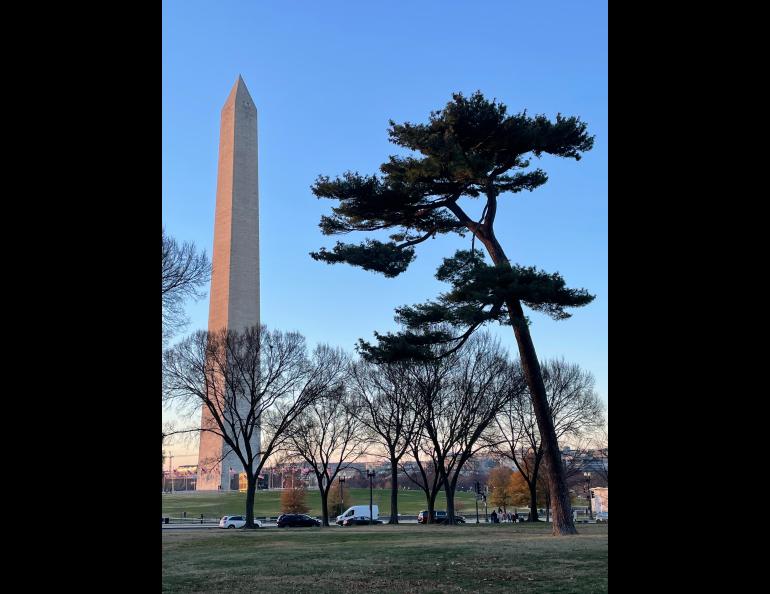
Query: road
column 209, row 525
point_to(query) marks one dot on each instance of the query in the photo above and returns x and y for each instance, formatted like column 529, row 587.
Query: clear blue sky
column 326, row 77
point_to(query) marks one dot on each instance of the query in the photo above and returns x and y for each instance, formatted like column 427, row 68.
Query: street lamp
column 341, row 480
column 587, row 475
column 370, row 473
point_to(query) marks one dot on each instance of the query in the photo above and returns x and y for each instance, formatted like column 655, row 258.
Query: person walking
column 493, row 515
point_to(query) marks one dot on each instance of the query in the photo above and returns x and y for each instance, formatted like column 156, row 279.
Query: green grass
column 404, row 559
column 268, row 503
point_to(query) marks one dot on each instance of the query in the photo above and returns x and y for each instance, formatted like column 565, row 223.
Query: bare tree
column 457, row 396
column 329, row 437
column 184, row 273
column 252, row 385
column 517, row 439
column 574, row 407
column 422, row 470
column 457, row 418
column 429, row 380
column 382, row 401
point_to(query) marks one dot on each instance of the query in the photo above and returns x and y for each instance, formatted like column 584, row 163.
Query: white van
column 359, row 511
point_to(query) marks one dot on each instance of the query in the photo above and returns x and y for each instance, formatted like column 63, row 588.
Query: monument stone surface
column 234, row 295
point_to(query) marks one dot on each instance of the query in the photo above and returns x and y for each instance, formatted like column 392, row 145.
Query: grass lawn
column 403, row 559
column 268, row 503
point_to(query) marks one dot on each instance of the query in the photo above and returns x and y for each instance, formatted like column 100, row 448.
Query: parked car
column 296, row 521
column 358, row 511
column 236, row 522
column 439, row 517
column 359, row 521
column 602, row 517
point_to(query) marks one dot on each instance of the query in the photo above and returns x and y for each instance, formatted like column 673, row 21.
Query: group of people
column 499, row 515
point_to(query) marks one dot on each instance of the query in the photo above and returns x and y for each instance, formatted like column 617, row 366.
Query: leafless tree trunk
column 459, row 397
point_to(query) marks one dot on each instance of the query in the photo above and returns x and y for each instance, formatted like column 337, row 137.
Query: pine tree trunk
column 393, row 491
column 562, row 518
column 557, row 481
column 251, row 487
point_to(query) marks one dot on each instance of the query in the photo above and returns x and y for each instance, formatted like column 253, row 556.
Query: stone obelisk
column 234, row 295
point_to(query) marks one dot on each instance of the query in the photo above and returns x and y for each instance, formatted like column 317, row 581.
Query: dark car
column 359, row 521
column 296, row 521
column 439, row 517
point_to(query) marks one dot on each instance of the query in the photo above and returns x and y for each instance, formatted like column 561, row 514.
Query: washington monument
column 234, row 296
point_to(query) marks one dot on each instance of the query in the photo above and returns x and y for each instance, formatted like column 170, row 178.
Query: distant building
column 586, row 460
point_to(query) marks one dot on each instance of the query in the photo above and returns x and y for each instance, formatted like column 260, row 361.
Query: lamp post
column 587, row 475
column 370, row 473
column 341, row 479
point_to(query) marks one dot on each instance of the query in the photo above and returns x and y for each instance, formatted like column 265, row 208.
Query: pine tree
column 471, row 149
